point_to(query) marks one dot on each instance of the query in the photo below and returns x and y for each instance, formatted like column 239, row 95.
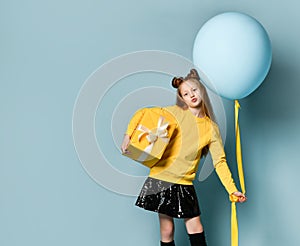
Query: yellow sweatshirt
column 180, row 160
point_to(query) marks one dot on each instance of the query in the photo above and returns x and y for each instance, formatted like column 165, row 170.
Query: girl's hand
column 125, row 144
column 241, row 197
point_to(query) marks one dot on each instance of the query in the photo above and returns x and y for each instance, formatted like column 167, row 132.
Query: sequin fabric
column 175, row 200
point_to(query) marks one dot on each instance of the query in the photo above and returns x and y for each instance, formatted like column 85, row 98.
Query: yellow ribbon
column 234, row 199
column 152, row 136
column 238, row 148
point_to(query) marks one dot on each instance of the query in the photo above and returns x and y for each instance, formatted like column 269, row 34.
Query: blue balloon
column 233, row 54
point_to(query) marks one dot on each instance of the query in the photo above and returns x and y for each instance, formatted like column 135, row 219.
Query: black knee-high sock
column 167, row 244
column 197, row 239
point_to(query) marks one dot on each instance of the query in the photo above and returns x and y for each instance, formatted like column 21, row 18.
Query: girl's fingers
column 242, row 198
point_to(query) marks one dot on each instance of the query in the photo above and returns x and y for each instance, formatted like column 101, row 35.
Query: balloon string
column 238, row 148
column 234, row 221
column 234, row 226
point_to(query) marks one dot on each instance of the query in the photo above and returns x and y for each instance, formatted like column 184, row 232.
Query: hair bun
column 193, row 74
column 176, row 82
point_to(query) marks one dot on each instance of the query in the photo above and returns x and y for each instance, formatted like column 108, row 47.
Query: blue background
column 49, row 48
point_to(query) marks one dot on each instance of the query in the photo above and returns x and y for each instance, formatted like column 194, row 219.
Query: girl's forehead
column 188, row 84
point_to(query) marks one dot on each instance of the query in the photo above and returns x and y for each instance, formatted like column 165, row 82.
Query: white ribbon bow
column 152, row 136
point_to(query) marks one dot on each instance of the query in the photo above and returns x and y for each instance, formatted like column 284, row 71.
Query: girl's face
column 191, row 94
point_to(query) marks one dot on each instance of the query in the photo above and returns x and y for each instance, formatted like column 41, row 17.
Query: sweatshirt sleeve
column 135, row 121
column 216, row 150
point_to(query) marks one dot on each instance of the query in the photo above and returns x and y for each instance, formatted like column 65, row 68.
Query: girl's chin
column 196, row 106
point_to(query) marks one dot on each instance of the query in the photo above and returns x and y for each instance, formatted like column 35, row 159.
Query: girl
column 169, row 190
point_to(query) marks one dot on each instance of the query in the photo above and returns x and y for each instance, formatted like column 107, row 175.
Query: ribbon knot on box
column 152, row 136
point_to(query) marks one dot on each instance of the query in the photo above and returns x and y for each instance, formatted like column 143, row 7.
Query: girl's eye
column 185, row 94
column 194, row 89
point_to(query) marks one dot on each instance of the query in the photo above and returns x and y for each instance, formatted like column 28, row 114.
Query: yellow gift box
column 151, row 136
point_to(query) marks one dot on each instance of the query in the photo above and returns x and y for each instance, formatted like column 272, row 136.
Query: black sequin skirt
column 174, row 200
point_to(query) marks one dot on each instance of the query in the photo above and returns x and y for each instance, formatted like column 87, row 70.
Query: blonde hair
column 206, row 104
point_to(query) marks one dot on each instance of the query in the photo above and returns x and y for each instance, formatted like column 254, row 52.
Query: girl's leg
column 166, row 230
column 193, row 225
column 195, row 231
